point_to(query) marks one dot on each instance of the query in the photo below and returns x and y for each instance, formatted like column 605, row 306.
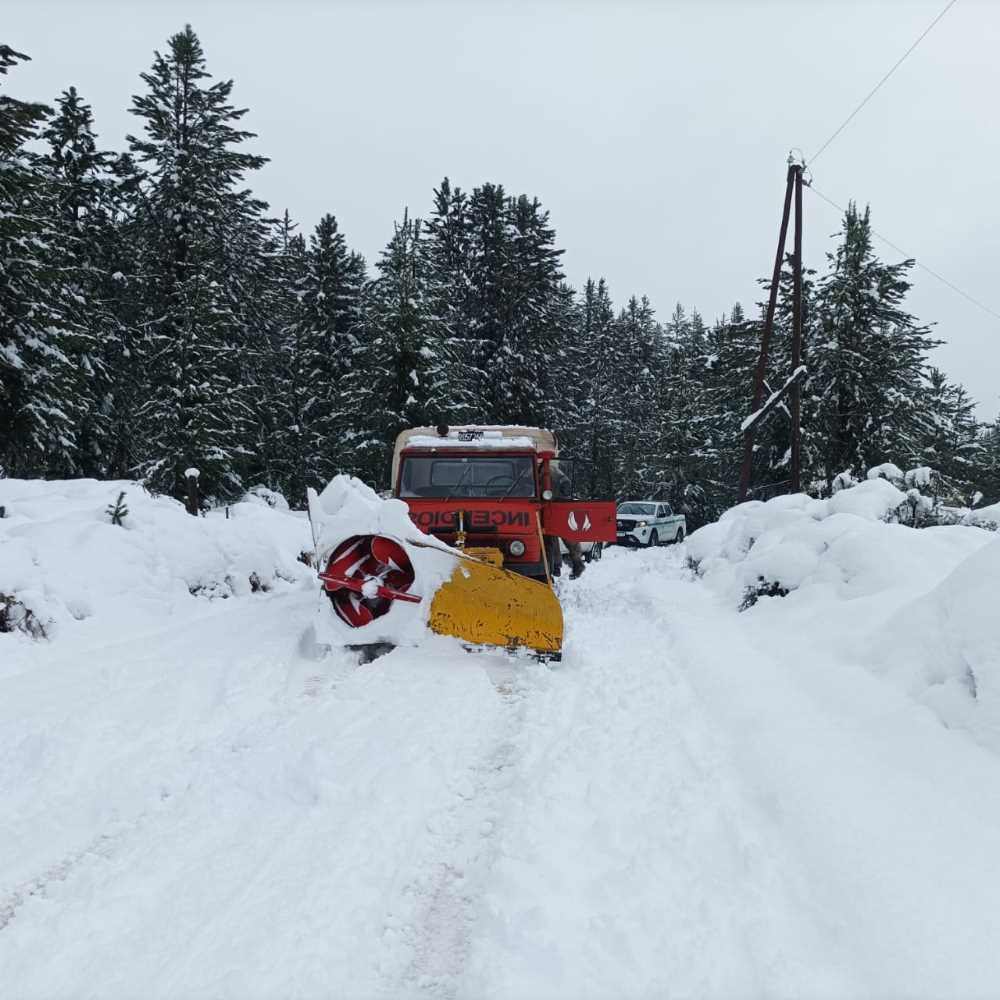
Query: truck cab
column 493, row 487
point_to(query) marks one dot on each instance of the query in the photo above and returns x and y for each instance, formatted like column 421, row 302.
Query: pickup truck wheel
column 654, row 539
column 679, row 537
column 596, row 550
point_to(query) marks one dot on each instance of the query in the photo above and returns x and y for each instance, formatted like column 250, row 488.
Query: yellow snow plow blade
column 485, row 604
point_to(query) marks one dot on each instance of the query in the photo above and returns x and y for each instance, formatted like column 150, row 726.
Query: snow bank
column 348, row 507
column 944, row 647
column 841, row 545
column 833, row 577
column 65, row 566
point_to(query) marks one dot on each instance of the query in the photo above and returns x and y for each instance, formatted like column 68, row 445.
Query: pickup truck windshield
column 637, row 508
column 465, row 476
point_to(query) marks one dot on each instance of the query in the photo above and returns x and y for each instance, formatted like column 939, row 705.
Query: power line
column 907, row 256
column 878, row 85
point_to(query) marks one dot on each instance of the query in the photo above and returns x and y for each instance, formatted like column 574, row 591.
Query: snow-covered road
column 673, row 811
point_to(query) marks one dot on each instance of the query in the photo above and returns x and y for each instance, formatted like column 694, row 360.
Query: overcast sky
column 655, row 133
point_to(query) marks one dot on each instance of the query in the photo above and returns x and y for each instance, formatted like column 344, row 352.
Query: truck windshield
column 465, row 476
column 637, row 508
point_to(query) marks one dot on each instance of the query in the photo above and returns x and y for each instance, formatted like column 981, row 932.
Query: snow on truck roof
column 475, row 436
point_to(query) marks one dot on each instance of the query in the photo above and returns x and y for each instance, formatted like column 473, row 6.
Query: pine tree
column 949, row 437
column 199, row 230
column 325, row 341
column 637, row 380
column 40, row 397
column 593, row 435
column 683, row 451
column 988, row 470
column 514, row 294
column 401, row 378
column 447, row 265
column 269, row 360
column 867, row 358
column 89, row 205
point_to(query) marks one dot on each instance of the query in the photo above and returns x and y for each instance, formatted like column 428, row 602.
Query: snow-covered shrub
column 916, row 510
column 843, row 481
column 763, row 588
column 930, row 500
column 272, row 498
column 15, row 617
column 893, row 473
column 984, row 517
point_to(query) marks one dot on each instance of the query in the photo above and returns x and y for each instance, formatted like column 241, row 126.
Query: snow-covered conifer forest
column 155, row 315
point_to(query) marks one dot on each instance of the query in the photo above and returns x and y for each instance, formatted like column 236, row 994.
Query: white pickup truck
column 649, row 522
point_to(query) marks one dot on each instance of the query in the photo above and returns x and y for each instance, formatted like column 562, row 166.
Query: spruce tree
column 402, row 376
column 41, row 401
column 513, row 295
column 593, row 434
column 731, row 354
column 325, row 341
column 447, row 266
column 949, row 437
column 198, row 230
column 682, row 450
column 637, row 378
column 868, row 355
column 89, row 207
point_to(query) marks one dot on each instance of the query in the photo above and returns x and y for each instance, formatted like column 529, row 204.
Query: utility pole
column 793, row 387
column 795, row 401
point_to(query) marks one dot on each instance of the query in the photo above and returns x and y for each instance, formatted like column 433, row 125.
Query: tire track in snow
column 442, row 894
column 14, row 899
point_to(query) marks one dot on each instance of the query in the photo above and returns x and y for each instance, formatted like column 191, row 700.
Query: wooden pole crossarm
column 774, row 400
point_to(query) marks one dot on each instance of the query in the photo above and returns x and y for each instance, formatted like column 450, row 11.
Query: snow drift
column 64, row 565
column 841, row 547
column 833, row 577
column 944, row 647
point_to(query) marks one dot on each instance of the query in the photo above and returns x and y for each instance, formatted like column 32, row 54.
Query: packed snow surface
column 199, row 802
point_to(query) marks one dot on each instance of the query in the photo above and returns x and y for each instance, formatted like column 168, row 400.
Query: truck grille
column 626, row 525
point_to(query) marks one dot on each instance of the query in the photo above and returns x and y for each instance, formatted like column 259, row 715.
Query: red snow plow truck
column 496, row 488
column 495, row 503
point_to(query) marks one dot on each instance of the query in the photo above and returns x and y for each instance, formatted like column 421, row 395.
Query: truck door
column 580, row 520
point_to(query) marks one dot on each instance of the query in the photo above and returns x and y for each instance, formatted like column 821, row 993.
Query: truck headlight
column 641, row 524
column 517, row 547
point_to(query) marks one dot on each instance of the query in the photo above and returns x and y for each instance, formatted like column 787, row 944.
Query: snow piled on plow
column 348, row 507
